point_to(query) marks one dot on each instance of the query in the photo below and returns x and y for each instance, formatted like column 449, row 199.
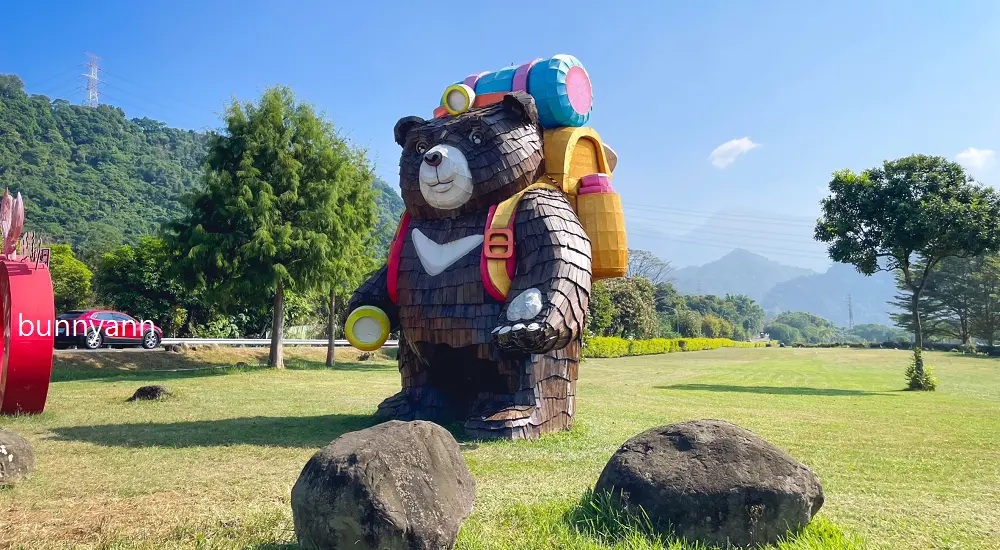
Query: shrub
column 917, row 382
column 610, row 346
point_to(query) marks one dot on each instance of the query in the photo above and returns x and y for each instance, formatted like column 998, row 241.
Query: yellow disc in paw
column 367, row 328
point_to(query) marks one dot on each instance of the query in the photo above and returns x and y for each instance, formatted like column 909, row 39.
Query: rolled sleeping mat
column 560, row 86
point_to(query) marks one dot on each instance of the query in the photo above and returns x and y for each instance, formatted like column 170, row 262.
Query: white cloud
column 725, row 154
column 976, row 159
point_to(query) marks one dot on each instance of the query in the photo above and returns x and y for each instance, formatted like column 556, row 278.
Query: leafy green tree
column 878, row 333
column 602, row 311
column 917, row 206
column 634, row 315
column 783, row 333
column 277, row 207
column 136, row 280
column 986, row 305
column 952, row 290
column 689, row 323
column 811, row 328
column 71, row 279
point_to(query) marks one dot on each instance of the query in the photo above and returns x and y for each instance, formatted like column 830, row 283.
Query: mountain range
column 835, row 294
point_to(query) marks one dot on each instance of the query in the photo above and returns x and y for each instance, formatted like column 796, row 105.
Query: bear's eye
column 476, row 137
column 421, row 147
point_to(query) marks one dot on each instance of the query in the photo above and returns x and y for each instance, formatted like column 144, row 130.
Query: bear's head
column 459, row 164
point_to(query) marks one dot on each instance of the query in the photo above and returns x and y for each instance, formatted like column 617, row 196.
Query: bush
column 916, row 381
column 610, row 346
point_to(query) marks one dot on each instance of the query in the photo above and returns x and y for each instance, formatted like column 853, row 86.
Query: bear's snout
column 445, row 178
column 433, row 158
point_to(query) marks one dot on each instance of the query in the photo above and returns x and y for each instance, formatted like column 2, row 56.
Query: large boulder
column 714, row 482
column 397, row 485
column 17, row 459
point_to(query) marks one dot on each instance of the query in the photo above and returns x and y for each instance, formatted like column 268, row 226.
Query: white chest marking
column 438, row 257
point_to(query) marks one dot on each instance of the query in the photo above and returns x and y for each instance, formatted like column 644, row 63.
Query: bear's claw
column 531, row 338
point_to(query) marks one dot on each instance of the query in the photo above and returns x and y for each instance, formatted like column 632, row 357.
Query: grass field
column 213, row 467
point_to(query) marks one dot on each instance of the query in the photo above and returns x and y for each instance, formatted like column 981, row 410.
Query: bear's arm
column 375, row 292
column 549, row 296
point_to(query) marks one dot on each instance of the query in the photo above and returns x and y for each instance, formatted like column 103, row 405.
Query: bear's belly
column 441, row 298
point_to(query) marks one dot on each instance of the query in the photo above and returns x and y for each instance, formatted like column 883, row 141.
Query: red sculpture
column 27, row 315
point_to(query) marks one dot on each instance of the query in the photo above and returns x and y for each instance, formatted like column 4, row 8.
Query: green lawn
column 214, row 466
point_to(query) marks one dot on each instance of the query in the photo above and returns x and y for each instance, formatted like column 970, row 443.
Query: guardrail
column 261, row 342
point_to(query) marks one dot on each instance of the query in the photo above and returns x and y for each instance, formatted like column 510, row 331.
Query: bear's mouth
column 439, row 183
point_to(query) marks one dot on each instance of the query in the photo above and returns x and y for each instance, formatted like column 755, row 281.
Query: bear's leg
column 436, row 381
column 542, row 399
column 417, row 399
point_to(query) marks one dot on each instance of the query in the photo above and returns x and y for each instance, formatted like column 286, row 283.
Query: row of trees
column 645, row 304
column 794, row 327
column 960, row 301
column 280, row 225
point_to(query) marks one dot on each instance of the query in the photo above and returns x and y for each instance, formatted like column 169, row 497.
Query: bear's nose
column 433, row 158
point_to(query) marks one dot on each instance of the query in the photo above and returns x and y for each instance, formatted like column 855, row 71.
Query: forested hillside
column 95, row 179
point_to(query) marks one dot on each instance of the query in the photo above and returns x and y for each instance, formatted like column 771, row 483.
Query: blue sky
column 796, row 92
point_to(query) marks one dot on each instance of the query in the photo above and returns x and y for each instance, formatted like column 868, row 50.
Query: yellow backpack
column 578, row 164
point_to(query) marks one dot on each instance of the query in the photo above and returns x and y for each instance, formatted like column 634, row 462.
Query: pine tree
column 284, row 204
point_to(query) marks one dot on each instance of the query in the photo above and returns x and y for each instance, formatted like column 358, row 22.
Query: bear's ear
column 404, row 126
column 522, row 105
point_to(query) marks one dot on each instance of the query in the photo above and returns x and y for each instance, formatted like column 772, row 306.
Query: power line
column 749, row 218
column 732, row 245
column 797, row 237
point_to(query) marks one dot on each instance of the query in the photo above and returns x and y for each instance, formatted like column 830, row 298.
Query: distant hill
column 95, row 179
column 825, row 294
column 738, row 272
column 689, row 239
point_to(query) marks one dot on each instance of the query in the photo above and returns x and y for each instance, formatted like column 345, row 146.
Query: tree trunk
column 918, row 335
column 277, row 357
column 331, row 328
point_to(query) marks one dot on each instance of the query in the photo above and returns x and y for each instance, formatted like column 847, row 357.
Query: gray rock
column 714, row 482
column 150, row 393
column 17, row 459
column 394, row 486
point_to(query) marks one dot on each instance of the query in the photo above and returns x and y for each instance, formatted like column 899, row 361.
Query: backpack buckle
column 505, row 243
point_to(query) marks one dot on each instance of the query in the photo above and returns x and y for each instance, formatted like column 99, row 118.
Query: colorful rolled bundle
column 560, row 86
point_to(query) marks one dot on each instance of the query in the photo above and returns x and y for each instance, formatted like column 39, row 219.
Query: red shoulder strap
column 395, row 249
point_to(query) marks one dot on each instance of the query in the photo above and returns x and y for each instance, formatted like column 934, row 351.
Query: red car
column 94, row 328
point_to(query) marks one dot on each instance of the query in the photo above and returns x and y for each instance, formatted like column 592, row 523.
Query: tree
column 809, row 328
column 950, row 295
column 71, row 279
column 917, row 206
column 634, row 316
column 136, row 279
column 878, row 333
column 783, row 333
column 276, row 207
column 648, row 266
column 986, row 305
column 602, row 311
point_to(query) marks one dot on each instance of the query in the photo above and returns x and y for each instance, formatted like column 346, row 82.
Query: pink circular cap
column 578, row 88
